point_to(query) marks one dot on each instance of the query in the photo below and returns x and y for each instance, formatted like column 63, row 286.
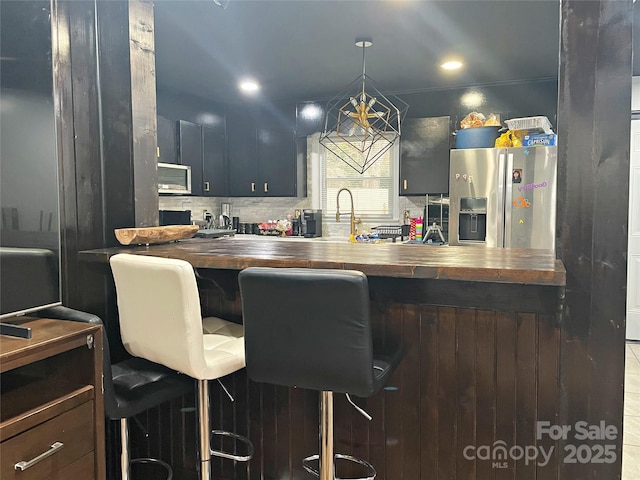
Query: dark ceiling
column 304, row 49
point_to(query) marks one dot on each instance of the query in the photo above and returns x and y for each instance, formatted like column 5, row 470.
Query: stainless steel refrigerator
column 503, row 197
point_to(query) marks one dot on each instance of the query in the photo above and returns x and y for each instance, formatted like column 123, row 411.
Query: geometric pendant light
column 361, row 122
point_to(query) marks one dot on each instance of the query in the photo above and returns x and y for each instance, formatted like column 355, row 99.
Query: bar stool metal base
column 371, row 471
column 204, row 434
column 126, row 462
column 326, row 458
column 154, row 461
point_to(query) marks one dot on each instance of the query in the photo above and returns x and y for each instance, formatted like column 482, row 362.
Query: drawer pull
column 23, row 465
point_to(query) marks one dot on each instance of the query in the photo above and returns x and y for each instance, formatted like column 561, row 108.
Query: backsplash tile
column 258, row 209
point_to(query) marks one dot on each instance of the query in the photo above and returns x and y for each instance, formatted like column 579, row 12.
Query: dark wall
column 512, row 100
column 509, row 100
column 25, row 42
column 177, row 106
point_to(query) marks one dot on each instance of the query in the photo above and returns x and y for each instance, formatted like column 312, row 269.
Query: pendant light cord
column 364, row 71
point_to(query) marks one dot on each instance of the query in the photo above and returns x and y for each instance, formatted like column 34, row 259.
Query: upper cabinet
column 277, row 161
column 214, row 168
column 263, row 157
column 190, row 153
column 203, row 149
column 252, row 153
column 166, row 141
column 424, row 156
column 243, row 157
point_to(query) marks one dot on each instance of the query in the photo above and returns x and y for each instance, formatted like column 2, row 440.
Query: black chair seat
column 131, row 386
column 140, row 385
column 383, row 368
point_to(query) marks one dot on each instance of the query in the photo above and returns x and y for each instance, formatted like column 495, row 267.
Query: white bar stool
column 160, row 320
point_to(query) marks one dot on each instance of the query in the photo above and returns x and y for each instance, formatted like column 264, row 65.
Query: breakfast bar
column 480, row 329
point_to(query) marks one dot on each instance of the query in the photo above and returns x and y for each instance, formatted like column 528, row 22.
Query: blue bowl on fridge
column 478, row 137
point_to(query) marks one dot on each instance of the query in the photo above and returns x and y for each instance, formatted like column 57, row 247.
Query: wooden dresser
column 51, row 404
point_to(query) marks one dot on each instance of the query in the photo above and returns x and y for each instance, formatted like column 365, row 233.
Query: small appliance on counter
column 224, row 220
column 174, row 217
column 311, row 223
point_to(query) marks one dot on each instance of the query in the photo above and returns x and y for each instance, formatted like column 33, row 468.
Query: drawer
column 73, row 429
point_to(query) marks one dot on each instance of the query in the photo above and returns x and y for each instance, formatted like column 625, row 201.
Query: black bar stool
column 131, row 387
column 321, row 341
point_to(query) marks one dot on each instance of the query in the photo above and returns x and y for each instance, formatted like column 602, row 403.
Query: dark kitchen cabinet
column 166, row 141
column 243, row 158
column 424, row 156
column 190, row 153
column 264, row 160
column 214, row 169
column 276, row 162
column 203, row 149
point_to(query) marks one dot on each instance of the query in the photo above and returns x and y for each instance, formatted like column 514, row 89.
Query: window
column 375, row 194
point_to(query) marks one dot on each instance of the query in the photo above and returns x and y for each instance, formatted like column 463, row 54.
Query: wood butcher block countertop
column 468, row 263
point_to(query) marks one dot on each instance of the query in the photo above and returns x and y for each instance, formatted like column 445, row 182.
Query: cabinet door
column 277, row 162
column 243, row 159
column 190, row 148
column 166, row 141
column 424, row 156
column 214, row 171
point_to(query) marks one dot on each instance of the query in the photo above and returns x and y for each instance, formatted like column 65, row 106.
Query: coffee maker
column 311, row 223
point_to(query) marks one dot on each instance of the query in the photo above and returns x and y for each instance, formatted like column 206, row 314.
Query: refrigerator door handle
column 508, row 207
column 501, row 199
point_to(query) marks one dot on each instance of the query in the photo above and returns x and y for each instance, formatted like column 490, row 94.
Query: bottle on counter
column 419, row 228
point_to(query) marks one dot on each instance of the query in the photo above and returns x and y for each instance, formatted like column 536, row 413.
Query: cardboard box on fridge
column 539, row 139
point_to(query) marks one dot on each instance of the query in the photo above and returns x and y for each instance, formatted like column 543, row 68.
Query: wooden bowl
column 152, row 235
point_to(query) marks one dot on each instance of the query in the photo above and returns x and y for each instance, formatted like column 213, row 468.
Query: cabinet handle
column 158, row 152
column 253, row 187
column 266, row 187
column 23, row 465
column 206, row 186
column 404, row 184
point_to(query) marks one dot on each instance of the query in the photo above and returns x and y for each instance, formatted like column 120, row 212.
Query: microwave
column 174, row 179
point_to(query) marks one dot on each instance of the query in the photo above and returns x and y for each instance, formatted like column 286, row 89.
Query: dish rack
column 391, row 231
column 532, row 124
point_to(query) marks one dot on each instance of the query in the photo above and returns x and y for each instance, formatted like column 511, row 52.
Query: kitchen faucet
column 352, row 235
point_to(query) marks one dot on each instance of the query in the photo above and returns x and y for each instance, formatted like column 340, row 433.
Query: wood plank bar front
column 481, row 332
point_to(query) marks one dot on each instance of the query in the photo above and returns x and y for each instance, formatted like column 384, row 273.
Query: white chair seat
column 223, row 348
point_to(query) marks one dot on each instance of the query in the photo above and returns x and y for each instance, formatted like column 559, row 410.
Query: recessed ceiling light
column 249, row 86
column 451, row 65
column 311, row 111
column 473, row 99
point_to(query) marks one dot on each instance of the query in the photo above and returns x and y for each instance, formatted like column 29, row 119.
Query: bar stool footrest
column 154, row 461
column 237, row 438
column 371, row 474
